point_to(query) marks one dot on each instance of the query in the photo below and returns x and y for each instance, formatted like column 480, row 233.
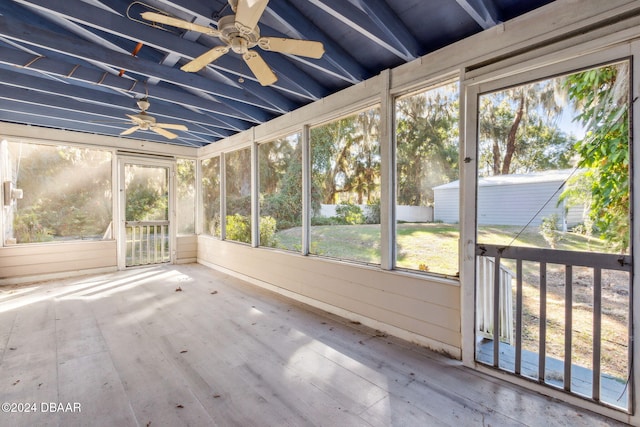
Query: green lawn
column 426, row 246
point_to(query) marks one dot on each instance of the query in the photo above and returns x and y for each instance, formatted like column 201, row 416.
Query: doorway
column 145, row 210
column 553, row 277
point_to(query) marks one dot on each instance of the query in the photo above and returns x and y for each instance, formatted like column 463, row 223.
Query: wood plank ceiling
column 70, row 64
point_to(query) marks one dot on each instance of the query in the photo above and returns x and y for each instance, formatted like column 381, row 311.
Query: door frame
column 170, row 164
column 512, row 72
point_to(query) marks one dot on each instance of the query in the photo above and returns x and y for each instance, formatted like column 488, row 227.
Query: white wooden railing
column 511, row 358
column 147, row 242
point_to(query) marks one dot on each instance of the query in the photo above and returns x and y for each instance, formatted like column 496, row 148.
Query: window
column 280, row 164
column 66, row 193
column 186, row 197
column 427, row 229
column 238, row 195
column 345, row 193
column 211, row 196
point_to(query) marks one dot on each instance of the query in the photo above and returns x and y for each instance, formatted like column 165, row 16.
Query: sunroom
column 467, row 196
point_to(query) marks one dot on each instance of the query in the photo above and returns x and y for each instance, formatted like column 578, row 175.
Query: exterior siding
column 186, row 249
column 508, row 204
column 446, row 205
column 516, row 204
column 51, row 258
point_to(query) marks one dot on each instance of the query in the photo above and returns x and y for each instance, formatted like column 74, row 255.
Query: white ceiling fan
column 240, row 33
column 143, row 121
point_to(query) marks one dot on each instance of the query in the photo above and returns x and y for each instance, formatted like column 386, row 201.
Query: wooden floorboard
column 186, row 345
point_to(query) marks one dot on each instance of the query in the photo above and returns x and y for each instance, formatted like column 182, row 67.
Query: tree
column 602, row 97
column 55, row 203
column 426, row 143
column 211, row 195
column 512, row 125
column 238, row 182
column 346, row 158
column 281, row 182
column 147, row 196
column 186, row 195
column 365, row 173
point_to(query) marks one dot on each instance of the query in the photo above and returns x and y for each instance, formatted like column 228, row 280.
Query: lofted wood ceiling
column 69, row 64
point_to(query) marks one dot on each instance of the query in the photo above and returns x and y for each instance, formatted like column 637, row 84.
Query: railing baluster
column 542, row 346
column 518, row 366
column 155, row 243
column 148, row 228
column 597, row 330
column 496, row 310
column 568, row 325
column 133, row 245
column 162, row 227
column 140, row 256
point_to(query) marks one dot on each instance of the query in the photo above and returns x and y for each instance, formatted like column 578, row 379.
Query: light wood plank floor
column 129, row 349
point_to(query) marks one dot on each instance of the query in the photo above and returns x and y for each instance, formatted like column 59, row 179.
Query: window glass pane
column 211, row 196
column 146, row 193
column 427, row 163
column 281, row 193
column 553, row 163
column 345, row 156
column 238, row 195
column 66, row 193
column 186, row 197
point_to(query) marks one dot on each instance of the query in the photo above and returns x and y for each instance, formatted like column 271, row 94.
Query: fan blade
column 171, row 126
column 175, row 22
column 259, row 68
column 206, row 58
column 248, row 14
column 306, row 48
column 165, row 133
column 135, row 119
column 130, row 130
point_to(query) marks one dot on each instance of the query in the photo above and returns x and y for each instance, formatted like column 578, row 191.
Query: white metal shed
column 511, row 199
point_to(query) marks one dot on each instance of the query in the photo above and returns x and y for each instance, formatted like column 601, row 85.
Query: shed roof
column 516, row 179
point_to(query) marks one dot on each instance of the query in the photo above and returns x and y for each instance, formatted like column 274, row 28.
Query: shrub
column 240, row 204
column 549, row 230
column 348, row 213
column 322, row 220
column 268, row 231
column 238, row 228
column 372, row 213
column 28, row 228
column 284, row 208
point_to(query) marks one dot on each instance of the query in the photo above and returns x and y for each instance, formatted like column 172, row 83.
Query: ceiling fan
column 240, row 33
column 143, row 121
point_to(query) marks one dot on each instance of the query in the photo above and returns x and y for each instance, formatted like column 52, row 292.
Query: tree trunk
column 511, row 138
column 496, row 157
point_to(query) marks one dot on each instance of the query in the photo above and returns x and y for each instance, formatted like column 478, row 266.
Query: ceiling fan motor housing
column 238, row 41
column 144, row 120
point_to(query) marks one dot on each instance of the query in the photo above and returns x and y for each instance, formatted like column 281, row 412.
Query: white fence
column 403, row 212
